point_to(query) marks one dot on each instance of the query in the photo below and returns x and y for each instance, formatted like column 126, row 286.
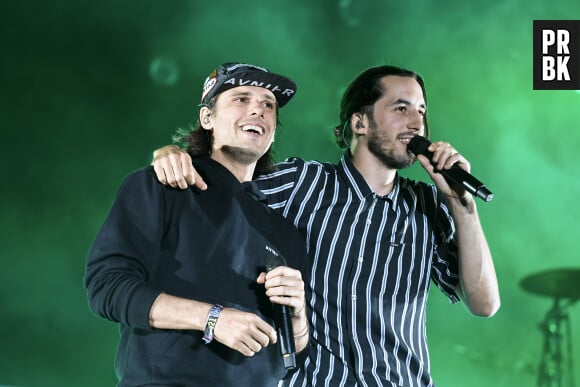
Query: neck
column 242, row 171
column 377, row 175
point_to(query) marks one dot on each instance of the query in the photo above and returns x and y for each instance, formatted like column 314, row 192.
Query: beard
column 384, row 150
column 241, row 155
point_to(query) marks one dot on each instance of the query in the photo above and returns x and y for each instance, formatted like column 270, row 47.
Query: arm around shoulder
column 173, row 167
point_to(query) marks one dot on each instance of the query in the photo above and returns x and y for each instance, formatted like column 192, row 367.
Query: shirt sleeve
column 278, row 186
column 445, row 269
column 122, row 256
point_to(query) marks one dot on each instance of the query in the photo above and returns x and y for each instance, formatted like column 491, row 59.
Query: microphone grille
column 418, row 145
column 275, row 260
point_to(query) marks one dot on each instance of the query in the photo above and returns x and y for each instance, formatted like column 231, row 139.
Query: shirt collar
column 359, row 185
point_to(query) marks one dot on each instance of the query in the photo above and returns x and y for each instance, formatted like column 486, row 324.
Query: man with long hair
column 376, row 239
column 196, row 278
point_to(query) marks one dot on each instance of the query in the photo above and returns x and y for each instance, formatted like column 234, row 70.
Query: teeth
column 252, row 128
column 405, row 140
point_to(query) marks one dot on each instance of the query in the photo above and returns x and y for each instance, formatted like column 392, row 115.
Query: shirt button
column 368, row 221
column 353, row 297
column 360, row 259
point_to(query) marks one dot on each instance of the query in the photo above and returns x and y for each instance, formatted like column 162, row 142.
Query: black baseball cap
column 230, row 75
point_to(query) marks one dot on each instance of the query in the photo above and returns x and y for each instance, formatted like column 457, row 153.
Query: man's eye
column 269, row 105
column 402, row 108
column 241, row 99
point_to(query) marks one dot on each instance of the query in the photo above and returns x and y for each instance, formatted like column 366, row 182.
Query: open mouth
column 405, row 139
column 253, row 129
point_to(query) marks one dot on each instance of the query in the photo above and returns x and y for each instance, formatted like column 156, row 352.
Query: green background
column 90, row 88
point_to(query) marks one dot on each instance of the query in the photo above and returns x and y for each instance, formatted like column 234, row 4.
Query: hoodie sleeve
column 125, row 251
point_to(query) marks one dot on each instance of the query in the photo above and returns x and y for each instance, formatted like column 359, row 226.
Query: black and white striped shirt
column 372, row 259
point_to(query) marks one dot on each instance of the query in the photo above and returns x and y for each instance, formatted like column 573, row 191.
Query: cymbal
column 556, row 283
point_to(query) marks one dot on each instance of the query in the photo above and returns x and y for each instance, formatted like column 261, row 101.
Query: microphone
column 418, row 145
column 283, row 318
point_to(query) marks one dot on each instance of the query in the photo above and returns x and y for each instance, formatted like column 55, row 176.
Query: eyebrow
column 247, row 93
column 406, row 102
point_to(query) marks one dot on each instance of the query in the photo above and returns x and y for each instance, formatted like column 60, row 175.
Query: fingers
column 261, row 278
column 188, row 175
column 173, row 167
column 245, row 332
column 167, row 164
column 253, row 343
column 445, row 156
column 177, row 164
column 284, row 286
column 160, row 173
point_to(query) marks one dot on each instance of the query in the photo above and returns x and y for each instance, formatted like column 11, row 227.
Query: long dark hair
column 199, row 141
column 361, row 95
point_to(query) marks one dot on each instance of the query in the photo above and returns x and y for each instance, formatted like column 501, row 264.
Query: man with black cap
column 196, row 278
column 377, row 240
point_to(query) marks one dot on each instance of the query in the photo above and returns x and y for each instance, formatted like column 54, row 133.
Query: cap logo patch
column 208, row 85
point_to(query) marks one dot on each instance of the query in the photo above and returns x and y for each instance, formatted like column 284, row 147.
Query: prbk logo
column 556, row 54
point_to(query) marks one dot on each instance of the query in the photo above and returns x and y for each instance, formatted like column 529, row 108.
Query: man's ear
column 359, row 123
column 205, row 118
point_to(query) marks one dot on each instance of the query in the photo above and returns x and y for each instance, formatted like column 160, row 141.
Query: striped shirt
column 372, row 260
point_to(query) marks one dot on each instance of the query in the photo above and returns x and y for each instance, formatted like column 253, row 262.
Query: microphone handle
column 467, row 181
column 283, row 320
column 286, row 335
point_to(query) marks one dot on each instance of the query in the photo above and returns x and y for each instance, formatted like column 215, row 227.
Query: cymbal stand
column 554, row 360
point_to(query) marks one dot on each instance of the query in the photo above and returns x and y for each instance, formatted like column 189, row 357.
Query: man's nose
column 416, row 121
column 257, row 108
